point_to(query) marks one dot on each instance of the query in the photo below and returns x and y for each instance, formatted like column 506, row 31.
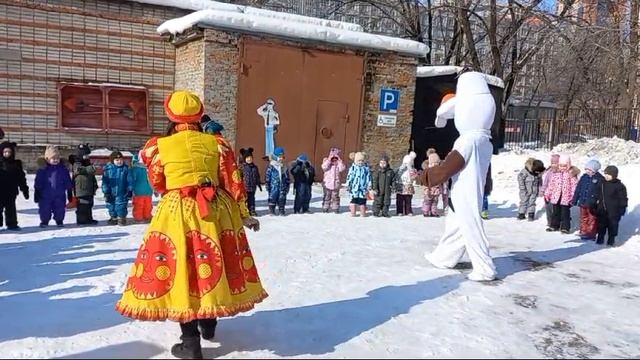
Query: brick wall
column 51, row 41
column 396, row 72
column 222, row 63
column 189, row 70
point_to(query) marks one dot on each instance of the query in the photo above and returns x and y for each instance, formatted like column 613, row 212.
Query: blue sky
column 548, row 5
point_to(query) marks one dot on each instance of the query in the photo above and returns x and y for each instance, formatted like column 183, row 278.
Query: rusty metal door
column 310, row 89
column 331, row 128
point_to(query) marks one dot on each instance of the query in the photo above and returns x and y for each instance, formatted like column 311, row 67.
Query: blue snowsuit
column 277, row 183
column 117, row 189
column 139, row 178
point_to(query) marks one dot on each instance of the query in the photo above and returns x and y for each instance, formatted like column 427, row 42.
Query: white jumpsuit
column 473, row 110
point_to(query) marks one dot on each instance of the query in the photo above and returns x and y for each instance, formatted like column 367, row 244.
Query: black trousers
column 381, row 203
column 561, row 217
column 251, row 200
column 608, row 224
column 403, row 204
column 302, row 199
column 84, row 211
column 8, row 207
column 548, row 209
column 190, row 329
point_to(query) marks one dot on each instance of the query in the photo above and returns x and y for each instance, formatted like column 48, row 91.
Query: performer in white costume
column 473, row 110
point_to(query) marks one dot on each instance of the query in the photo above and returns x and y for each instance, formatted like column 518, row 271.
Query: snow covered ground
column 342, row 287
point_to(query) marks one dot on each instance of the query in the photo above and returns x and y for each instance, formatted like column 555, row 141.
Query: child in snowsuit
column 553, row 168
column 611, row 205
column 303, row 174
column 251, row 177
column 12, row 179
column 52, row 183
column 382, row 185
column 277, row 182
column 559, row 193
column 85, row 185
column 142, row 191
column 332, row 166
column 585, row 197
column 404, row 179
column 116, row 188
column 358, row 183
column 432, row 194
column 529, row 183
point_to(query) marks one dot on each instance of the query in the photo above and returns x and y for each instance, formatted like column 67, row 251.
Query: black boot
column 521, row 217
column 189, row 348
column 531, row 216
column 611, row 241
column 208, row 328
column 600, row 239
column 272, row 209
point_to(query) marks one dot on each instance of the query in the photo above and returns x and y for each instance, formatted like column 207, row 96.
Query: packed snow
column 256, row 23
column 107, row 152
column 197, row 5
column 433, row 71
column 342, row 287
column 609, row 150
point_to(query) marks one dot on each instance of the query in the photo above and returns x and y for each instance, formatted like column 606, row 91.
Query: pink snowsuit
column 431, row 198
column 331, row 180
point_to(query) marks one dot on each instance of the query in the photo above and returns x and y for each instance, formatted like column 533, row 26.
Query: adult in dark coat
column 611, row 205
column 382, row 184
column 12, row 179
column 303, row 175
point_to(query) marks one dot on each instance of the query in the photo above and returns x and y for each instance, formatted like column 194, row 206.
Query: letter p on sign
column 389, row 100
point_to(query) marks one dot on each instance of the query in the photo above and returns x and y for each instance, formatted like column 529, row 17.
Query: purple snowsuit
column 51, row 186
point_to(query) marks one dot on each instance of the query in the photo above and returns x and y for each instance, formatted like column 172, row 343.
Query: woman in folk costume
column 194, row 264
column 473, row 110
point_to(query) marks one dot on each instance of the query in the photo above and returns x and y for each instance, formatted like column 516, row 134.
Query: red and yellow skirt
column 191, row 267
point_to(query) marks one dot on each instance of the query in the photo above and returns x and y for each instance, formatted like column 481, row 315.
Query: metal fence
column 544, row 128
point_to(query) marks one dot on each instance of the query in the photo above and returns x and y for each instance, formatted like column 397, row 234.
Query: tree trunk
column 429, row 31
column 463, row 18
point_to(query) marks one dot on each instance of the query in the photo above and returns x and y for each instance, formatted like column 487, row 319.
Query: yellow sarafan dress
column 195, row 261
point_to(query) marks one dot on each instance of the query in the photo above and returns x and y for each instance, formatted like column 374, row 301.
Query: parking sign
column 389, row 100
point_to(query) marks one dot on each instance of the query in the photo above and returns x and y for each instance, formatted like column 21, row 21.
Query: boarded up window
column 103, row 107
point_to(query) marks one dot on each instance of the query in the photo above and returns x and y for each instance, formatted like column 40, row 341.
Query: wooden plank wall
column 48, row 41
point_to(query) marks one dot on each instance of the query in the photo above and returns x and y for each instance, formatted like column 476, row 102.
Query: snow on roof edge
column 197, row 5
column 258, row 24
column 433, row 71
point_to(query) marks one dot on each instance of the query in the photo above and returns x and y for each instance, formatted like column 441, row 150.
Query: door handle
column 326, row 132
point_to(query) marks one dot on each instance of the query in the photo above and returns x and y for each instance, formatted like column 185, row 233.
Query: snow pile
column 433, row 71
column 258, row 23
column 198, row 5
column 107, row 152
column 612, row 151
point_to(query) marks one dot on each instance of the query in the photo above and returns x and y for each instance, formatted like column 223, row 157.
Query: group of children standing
column 58, row 187
column 362, row 182
column 602, row 199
